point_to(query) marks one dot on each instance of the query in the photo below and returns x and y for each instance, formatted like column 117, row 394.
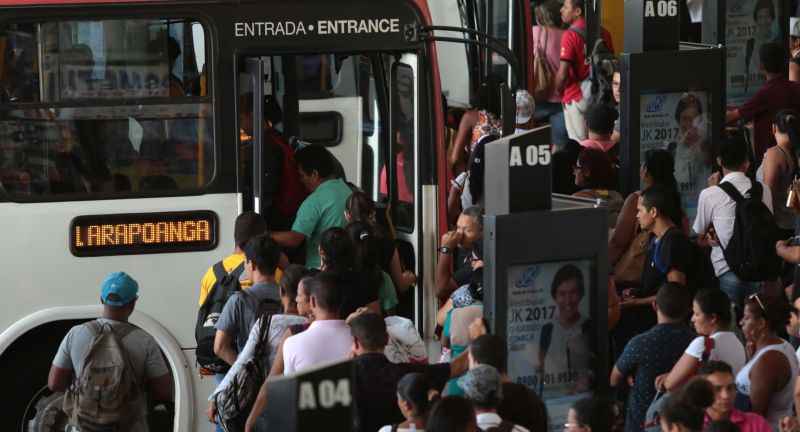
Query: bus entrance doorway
column 363, row 109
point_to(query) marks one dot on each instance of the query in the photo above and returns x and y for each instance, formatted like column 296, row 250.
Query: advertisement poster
column 680, row 124
column 748, row 25
column 549, row 333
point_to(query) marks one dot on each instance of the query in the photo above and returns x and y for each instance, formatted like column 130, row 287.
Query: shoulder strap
column 708, row 347
column 394, row 427
column 756, row 191
column 237, row 272
column 732, row 192
column 219, row 271
column 580, row 31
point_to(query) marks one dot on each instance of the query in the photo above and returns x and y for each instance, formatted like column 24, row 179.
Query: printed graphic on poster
column 549, row 332
column 679, row 123
column 748, row 25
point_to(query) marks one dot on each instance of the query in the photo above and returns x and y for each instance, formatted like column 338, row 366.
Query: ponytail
column 788, row 122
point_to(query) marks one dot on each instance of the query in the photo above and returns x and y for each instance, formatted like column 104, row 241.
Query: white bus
column 120, row 151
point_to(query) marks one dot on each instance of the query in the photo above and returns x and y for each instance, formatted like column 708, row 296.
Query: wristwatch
column 445, row 250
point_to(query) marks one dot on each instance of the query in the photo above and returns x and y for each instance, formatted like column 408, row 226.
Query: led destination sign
column 141, row 233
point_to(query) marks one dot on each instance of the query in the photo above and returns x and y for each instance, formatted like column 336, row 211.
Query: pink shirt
column 747, row 422
column 549, row 39
column 324, row 342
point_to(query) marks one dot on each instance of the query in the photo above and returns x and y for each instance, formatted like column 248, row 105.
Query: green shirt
column 387, row 293
column 321, row 210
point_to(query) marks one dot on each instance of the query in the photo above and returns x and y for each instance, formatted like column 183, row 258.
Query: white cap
column 794, row 26
column 525, row 106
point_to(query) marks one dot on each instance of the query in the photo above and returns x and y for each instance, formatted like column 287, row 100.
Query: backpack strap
column 731, row 191
column 395, row 426
column 219, row 271
column 708, row 344
column 580, row 31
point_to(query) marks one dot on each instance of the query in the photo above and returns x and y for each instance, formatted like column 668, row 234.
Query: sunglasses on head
column 758, row 300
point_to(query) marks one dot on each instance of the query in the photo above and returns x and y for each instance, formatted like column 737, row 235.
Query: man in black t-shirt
column 376, row 377
column 669, row 259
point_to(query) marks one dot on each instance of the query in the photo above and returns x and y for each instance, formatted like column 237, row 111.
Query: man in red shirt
column 573, row 69
column 776, row 94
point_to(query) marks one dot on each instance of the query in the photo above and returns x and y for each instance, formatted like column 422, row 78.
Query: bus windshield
column 104, row 107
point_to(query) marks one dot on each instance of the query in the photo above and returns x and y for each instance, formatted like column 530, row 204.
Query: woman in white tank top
column 773, row 364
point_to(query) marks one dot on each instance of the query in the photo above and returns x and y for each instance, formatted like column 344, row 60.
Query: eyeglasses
column 758, row 300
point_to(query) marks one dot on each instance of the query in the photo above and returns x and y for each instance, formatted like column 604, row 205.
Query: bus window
column 104, row 107
column 403, row 145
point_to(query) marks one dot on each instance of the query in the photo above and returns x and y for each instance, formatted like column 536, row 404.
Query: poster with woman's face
column 748, row 25
column 679, row 123
column 549, row 332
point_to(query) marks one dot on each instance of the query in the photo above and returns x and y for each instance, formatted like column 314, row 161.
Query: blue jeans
column 554, row 114
column 218, row 379
column 737, row 289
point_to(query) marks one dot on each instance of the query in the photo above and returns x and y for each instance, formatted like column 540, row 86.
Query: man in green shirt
column 322, row 209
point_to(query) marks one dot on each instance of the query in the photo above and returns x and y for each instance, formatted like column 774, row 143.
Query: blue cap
column 119, row 289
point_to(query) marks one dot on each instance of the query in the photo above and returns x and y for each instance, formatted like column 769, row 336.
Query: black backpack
column 601, row 69
column 751, row 251
column 235, row 402
column 205, row 330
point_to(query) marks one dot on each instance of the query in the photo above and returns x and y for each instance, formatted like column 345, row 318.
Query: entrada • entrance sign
column 305, row 401
column 652, row 25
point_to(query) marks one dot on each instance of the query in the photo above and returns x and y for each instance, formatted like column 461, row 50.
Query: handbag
column 543, row 72
column 793, row 198
column 628, row 270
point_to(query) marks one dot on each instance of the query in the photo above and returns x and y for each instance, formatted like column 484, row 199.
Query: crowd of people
column 702, row 287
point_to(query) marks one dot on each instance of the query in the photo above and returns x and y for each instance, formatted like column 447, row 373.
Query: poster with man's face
column 748, row 25
column 549, row 332
column 680, row 124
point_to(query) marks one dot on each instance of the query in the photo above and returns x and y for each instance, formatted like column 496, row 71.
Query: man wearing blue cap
column 118, row 295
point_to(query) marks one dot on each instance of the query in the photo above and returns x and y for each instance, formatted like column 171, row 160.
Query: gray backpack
column 102, row 397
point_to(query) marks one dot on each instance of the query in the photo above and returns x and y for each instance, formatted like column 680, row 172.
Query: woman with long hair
column 338, row 255
column 779, row 167
column 361, row 208
column 547, row 43
column 366, row 264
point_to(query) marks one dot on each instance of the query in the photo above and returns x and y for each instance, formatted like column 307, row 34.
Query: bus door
column 330, row 100
column 403, row 187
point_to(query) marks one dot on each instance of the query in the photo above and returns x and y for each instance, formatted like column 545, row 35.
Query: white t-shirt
column 727, row 348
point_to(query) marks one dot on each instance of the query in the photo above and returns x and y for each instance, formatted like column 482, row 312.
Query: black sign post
column 306, row 401
column 518, row 174
column 545, row 274
column 652, row 25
